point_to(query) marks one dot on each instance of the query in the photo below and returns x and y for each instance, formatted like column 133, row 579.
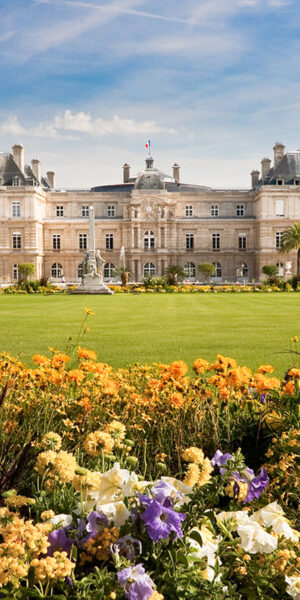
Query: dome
column 149, row 181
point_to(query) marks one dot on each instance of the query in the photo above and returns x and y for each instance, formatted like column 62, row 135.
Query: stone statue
column 99, row 263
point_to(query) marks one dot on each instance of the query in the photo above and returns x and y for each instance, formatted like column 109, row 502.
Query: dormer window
column 16, row 181
column 280, row 181
column 297, row 181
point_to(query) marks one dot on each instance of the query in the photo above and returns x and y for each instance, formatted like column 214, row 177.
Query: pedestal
column 92, row 285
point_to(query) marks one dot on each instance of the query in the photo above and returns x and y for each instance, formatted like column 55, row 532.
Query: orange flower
column 178, row 369
column 41, row 360
column 265, row 369
column 266, row 383
column 176, row 400
column 200, row 365
column 76, row 376
column 88, row 354
column 295, row 373
column 59, row 359
column 289, row 388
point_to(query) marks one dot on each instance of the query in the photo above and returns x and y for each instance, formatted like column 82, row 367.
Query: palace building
column 152, row 218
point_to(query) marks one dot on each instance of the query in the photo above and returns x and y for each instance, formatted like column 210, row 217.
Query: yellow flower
column 117, row 430
column 51, row 441
column 192, row 475
column 98, row 442
column 193, row 455
column 88, row 311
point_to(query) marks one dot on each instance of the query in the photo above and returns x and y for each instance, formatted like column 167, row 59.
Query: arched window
column 149, row 269
column 56, row 271
column 80, row 270
column 218, row 269
column 242, row 270
column 108, row 270
column 280, row 269
column 190, row 270
column 149, row 240
column 16, row 271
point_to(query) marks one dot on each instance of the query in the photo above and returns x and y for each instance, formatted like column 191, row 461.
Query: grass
column 254, row 329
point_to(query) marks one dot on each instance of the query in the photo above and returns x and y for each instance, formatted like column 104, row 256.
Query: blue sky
column 212, row 83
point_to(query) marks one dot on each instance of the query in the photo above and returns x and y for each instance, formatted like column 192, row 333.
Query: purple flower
column 60, row 542
column 257, row 485
column 262, row 398
column 126, row 546
column 161, row 520
column 136, row 583
column 165, row 492
column 220, row 460
column 95, row 523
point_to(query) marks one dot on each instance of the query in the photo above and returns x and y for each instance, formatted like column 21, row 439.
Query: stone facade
column 155, row 218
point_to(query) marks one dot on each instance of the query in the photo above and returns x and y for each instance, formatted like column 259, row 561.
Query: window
column 109, row 241
column 16, row 181
column 80, row 270
column 109, row 269
column 218, row 269
column 280, row 269
column 56, row 241
column 111, row 210
column 85, row 210
column 280, row 181
column 190, row 270
column 279, row 208
column 16, row 271
column 16, row 240
column 82, row 241
column 242, row 270
column 278, row 243
column 189, row 241
column 60, row 211
column 297, row 181
column 214, row 210
column 216, row 241
column 240, row 210
column 242, row 241
column 149, row 269
column 189, row 211
column 56, row 271
column 149, row 240
column 16, row 209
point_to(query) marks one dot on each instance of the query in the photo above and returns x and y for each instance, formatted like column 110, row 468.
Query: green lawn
column 125, row 329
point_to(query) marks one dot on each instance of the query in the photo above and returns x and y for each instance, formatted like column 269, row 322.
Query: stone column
column 91, row 245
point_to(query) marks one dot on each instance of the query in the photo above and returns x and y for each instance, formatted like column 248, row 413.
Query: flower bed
column 144, row 483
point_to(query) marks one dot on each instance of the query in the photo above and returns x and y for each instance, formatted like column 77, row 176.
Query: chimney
column 176, row 174
column 265, row 167
column 126, row 172
column 18, row 153
column 278, row 153
column 36, row 168
column 254, row 178
column 51, row 179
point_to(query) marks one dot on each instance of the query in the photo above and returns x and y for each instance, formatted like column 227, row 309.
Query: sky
column 212, row 83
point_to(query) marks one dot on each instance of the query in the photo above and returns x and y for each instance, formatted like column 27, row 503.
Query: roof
column 10, row 172
column 288, row 170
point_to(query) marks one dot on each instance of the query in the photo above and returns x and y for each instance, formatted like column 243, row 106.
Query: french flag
column 147, row 145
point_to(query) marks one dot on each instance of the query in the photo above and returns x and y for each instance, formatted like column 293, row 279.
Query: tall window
column 109, row 269
column 82, row 241
column 189, row 241
column 111, row 210
column 109, row 241
column 279, row 208
column 242, row 241
column 16, row 272
column 149, row 269
column 80, row 270
column 216, row 241
column 149, row 240
column 189, row 211
column 240, row 210
column 190, row 270
column 56, row 241
column 214, row 210
column 56, row 271
column 16, row 240
column 242, row 270
column 16, row 209
column 218, row 269
column 60, row 211
column 85, row 210
column 278, row 240
column 280, row 269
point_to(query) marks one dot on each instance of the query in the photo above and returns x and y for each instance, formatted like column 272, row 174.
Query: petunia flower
column 136, row 583
column 60, row 542
column 161, row 520
column 126, row 546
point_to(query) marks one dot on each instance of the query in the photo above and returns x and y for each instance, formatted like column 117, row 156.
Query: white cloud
column 82, row 122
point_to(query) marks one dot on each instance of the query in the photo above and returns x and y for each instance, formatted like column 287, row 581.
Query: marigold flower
column 265, row 369
column 98, row 442
column 88, row 354
column 193, row 455
column 41, row 360
column 178, row 369
column 200, row 365
column 192, row 475
column 176, row 400
column 289, row 388
column 294, row 373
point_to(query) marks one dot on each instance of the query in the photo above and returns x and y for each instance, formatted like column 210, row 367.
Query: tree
column 291, row 241
column 173, row 274
column 207, row 270
column 26, row 269
column 271, row 271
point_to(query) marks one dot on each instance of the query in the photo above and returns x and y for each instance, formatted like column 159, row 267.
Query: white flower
column 186, row 490
column 293, row 588
column 110, row 486
column 272, row 515
column 116, row 512
column 255, row 539
column 208, row 549
column 132, row 485
column 239, row 516
column 62, row 520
